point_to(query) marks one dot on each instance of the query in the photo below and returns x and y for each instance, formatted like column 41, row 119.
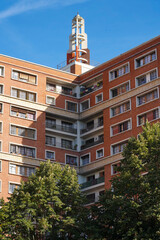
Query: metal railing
column 92, row 182
column 62, row 145
column 61, row 128
column 92, row 143
column 91, row 127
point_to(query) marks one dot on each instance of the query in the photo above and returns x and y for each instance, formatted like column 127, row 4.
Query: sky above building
column 38, row 30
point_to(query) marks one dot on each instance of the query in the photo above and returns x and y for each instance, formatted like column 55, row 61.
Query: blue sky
column 38, row 30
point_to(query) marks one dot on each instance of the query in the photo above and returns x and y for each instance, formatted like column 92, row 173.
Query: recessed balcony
column 92, row 143
column 62, row 128
column 85, row 90
column 92, row 182
column 91, row 127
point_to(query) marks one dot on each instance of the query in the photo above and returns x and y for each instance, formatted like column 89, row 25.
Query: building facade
column 80, row 115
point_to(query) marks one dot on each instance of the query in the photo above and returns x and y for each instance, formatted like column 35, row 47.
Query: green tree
column 130, row 210
column 48, row 206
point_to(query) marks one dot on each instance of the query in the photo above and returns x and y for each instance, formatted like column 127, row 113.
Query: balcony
column 69, row 146
column 61, row 128
column 63, row 90
column 85, row 90
column 92, row 182
column 91, row 144
column 91, row 127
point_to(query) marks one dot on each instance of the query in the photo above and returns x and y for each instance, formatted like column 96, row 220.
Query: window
column 90, row 198
column 141, row 61
column 1, row 71
column 119, row 90
column 30, row 171
column 22, row 150
column 85, row 105
column 71, row 160
column 0, row 146
column 50, row 123
column 121, row 127
column 13, row 186
column 71, row 106
column 50, row 141
column 50, row 100
column 66, row 90
column 23, row 132
column 0, row 127
column 114, row 168
column 50, row 155
column 1, row 107
column 118, row 148
column 21, row 170
column 99, row 98
column 120, row 109
column 150, row 116
column 0, row 185
column 51, row 87
column 25, row 95
column 24, row 77
column 67, row 126
column 66, row 143
column 147, row 97
column 119, row 72
column 146, row 77
column 100, row 153
column 85, row 159
column 0, row 166
column 12, row 168
column 23, row 113
column 1, row 89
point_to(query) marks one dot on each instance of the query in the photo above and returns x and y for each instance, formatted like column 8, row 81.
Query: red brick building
column 80, row 115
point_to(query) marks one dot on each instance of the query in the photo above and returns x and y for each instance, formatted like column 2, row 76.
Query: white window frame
column 72, row 156
column 3, row 75
column 46, row 150
column 71, row 102
column 10, row 182
column 2, row 88
column 116, row 143
column 29, row 73
column 150, row 110
column 88, row 99
column 1, row 131
column 23, row 108
column 143, row 74
column 2, row 107
column 96, row 102
column 52, row 98
column 144, row 93
column 83, row 156
column 17, row 125
column 125, row 120
column 112, row 174
column 21, row 145
column 114, row 69
column 24, row 90
column 0, row 165
column 143, row 55
column 0, row 145
column 97, row 153
column 110, row 90
column 129, row 100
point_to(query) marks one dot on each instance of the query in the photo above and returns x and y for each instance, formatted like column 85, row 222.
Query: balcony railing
column 86, row 90
column 63, row 145
column 91, row 127
column 61, row 128
column 92, row 143
column 92, row 182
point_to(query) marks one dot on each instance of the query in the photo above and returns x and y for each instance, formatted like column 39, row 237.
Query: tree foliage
column 48, row 206
column 130, row 210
